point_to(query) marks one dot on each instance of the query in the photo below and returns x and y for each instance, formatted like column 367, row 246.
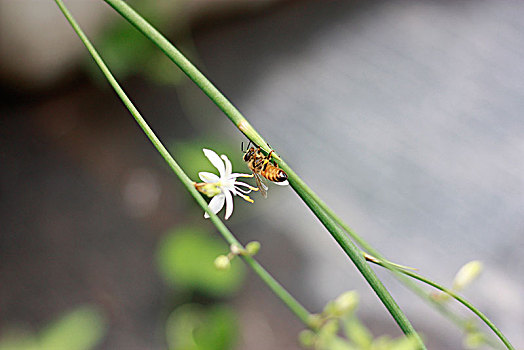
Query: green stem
column 189, row 69
column 358, row 259
column 459, row 299
column 236, row 117
column 399, row 273
column 273, row 284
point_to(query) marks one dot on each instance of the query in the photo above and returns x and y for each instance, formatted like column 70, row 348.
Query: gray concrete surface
column 407, row 118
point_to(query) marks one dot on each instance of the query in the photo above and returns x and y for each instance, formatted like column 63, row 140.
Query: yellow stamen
column 246, row 198
column 251, row 187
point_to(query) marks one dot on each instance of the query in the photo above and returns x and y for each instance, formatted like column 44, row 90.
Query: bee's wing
column 261, row 186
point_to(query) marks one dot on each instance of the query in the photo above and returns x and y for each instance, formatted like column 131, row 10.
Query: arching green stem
column 236, row 117
column 273, row 284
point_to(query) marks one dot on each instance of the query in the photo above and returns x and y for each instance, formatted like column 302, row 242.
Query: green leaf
column 186, row 256
column 193, row 327
column 80, row 329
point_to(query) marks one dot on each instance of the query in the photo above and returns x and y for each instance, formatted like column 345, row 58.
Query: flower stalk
column 458, row 298
column 273, row 284
column 334, row 224
column 245, row 127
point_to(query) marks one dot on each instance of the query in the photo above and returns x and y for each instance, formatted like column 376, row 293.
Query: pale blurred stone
column 38, row 46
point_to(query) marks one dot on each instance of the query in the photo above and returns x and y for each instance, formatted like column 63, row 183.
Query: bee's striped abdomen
column 275, row 174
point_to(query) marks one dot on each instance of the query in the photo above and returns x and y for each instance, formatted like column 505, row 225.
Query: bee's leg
column 269, row 157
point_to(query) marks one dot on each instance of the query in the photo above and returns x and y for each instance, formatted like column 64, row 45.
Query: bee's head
column 249, row 154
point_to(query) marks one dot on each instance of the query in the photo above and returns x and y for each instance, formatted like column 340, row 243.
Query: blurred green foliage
column 339, row 317
column 194, row 327
column 80, row 329
column 185, row 258
column 128, row 52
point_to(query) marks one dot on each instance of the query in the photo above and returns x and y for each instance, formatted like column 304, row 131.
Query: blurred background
column 404, row 116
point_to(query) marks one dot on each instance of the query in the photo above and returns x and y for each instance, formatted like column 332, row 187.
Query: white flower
column 223, row 187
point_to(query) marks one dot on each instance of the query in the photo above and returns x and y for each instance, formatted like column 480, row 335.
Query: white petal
column 208, row 177
column 283, row 183
column 229, row 205
column 229, row 167
column 215, row 160
column 216, row 204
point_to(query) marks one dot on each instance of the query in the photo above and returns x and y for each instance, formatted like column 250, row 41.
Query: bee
column 261, row 166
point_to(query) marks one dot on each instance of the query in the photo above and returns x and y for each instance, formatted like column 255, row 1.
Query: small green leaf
column 185, row 258
column 193, row 327
column 80, row 329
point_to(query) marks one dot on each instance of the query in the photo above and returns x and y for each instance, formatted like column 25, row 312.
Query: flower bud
column 252, row 248
column 330, row 309
column 467, row 274
column 222, row 262
column 307, row 338
column 315, row 321
column 347, row 302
